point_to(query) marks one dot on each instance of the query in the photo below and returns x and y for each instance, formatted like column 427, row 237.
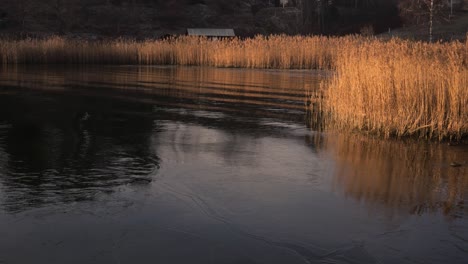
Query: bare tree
column 423, row 12
column 431, row 18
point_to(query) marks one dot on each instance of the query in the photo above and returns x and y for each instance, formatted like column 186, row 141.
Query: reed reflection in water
column 205, row 165
column 270, row 93
column 403, row 176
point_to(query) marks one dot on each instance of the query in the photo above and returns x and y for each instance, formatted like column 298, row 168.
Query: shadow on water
column 62, row 148
column 72, row 133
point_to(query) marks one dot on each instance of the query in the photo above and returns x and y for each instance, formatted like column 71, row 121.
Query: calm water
column 203, row 165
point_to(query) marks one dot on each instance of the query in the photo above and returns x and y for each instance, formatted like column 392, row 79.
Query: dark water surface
column 203, row 165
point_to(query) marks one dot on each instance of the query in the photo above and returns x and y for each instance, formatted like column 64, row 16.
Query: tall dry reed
column 401, row 88
column 279, row 52
column 392, row 88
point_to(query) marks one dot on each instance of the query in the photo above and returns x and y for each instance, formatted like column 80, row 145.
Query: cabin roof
column 211, row 32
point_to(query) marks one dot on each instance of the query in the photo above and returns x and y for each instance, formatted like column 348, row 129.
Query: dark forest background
column 156, row 18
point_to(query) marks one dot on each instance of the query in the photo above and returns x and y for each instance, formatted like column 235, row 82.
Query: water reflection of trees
column 55, row 156
column 400, row 175
column 66, row 148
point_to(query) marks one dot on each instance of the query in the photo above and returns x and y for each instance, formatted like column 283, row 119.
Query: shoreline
column 393, row 88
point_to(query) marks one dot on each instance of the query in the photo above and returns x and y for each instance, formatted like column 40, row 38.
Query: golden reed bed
column 401, row 88
column 277, row 52
column 387, row 87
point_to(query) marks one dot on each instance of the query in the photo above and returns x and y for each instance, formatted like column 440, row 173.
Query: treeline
column 349, row 16
column 378, row 15
column 130, row 17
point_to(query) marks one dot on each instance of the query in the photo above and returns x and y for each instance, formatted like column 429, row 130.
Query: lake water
column 204, row 165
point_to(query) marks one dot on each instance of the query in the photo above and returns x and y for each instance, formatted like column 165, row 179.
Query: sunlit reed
column 401, row 88
column 387, row 87
column 279, row 52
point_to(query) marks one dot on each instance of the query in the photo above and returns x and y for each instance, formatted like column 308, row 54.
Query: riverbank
column 391, row 88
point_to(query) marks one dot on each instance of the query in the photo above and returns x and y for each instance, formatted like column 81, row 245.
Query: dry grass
column 392, row 88
column 279, row 52
column 401, row 88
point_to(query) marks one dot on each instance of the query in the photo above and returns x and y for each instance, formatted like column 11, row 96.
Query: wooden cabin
column 211, row 32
